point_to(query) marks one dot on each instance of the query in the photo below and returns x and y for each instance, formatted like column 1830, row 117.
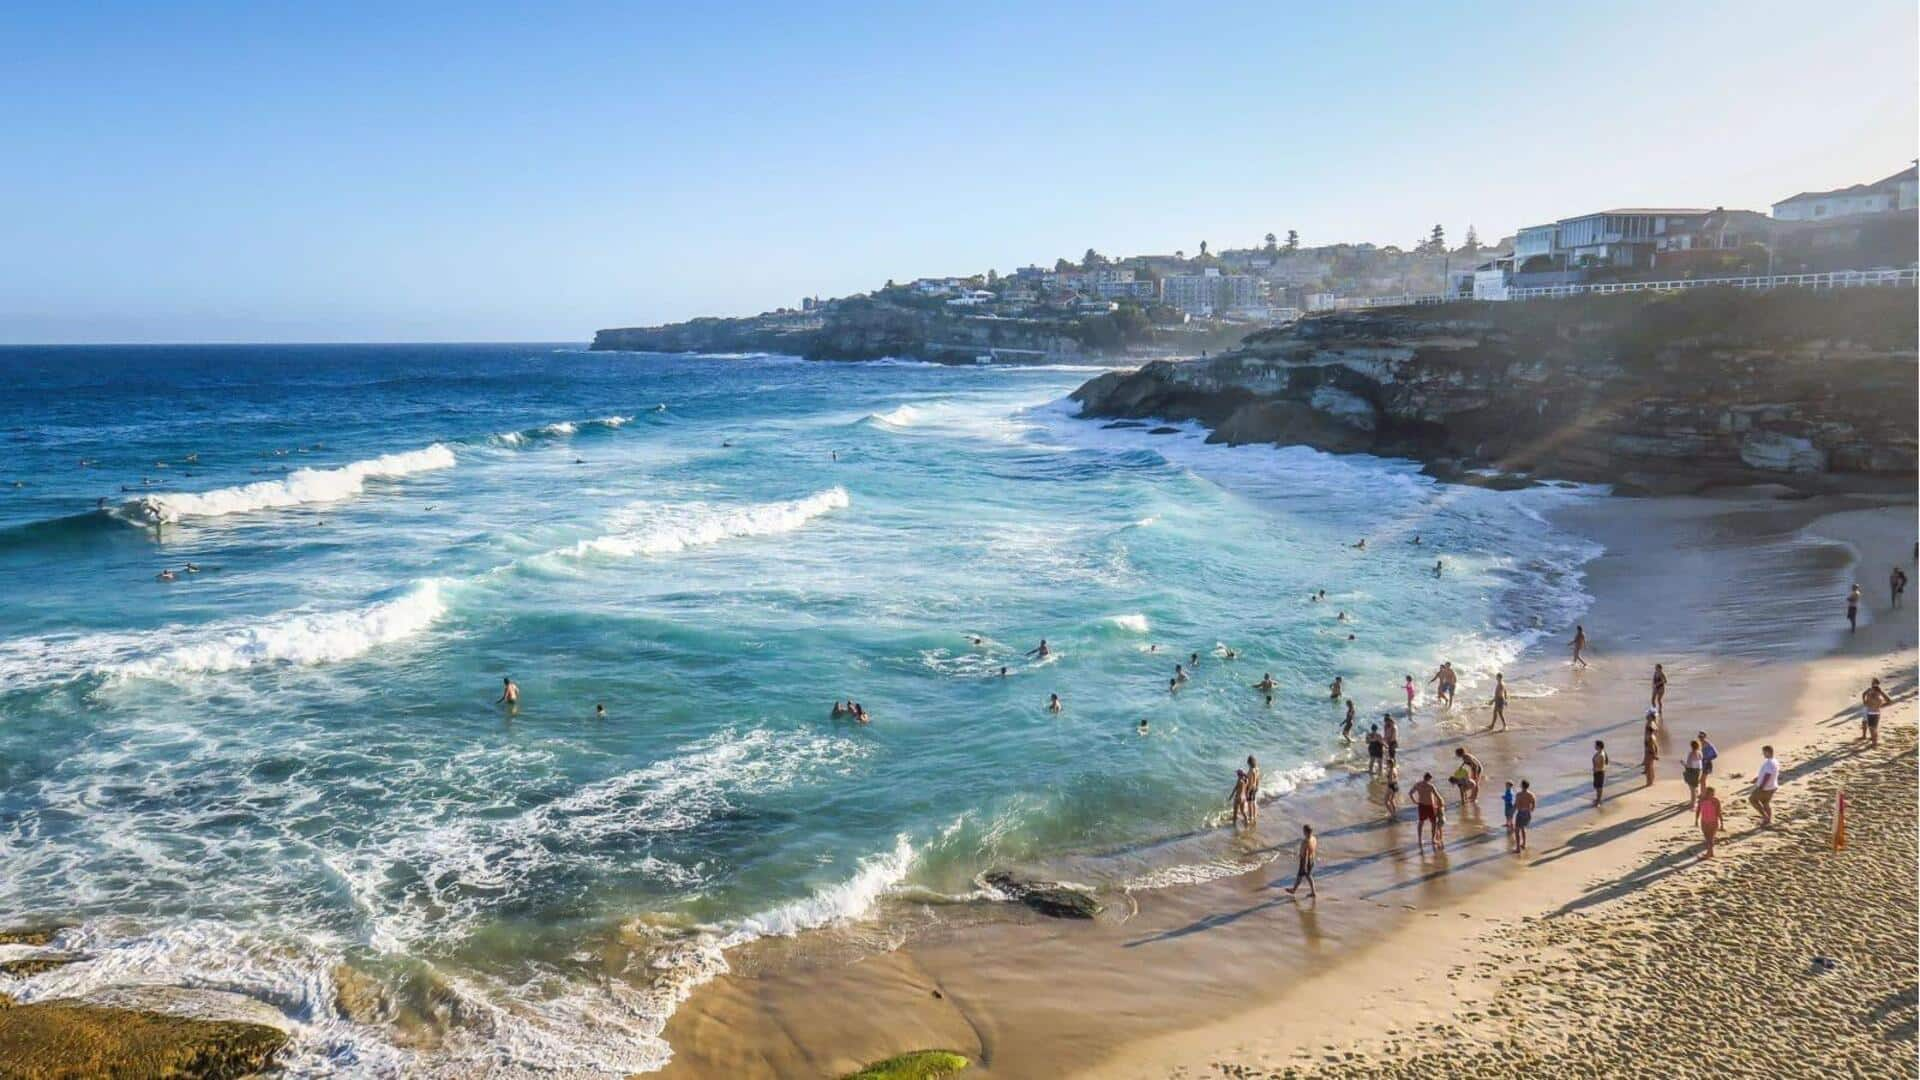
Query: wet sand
column 1737, row 595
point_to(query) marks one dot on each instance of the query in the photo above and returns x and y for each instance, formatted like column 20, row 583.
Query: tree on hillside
column 1272, row 241
column 1293, row 240
column 993, row 278
column 1062, row 266
column 1472, row 246
column 1436, row 243
column 1092, row 259
column 1203, row 249
column 1181, row 255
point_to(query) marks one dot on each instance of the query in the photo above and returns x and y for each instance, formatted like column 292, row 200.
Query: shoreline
column 1024, row 996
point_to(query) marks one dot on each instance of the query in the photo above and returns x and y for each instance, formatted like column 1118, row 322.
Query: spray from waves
column 648, row 528
column 297, row 639
column 298, row 488
column 1135, row 623
column 558, row 430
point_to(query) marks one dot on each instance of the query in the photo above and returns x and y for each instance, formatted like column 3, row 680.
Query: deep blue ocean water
column 291, row 756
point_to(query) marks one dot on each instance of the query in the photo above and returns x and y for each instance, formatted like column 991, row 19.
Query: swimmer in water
column 1342, row 617
column 1179, row 674
column 1228, row 654
column 600, row 712
column 1173, row 686
column 1143, row 725
column 1436, row 568
column 1041, row 651
column 833, row 455
column 193, row 568
column 509, row 693
column 1053, row 703
column 1334, row 688
column 1361, row 545
column 979, row 640
column 1416, row 539
column 1266, row 683
column 1003, row 672
column 839, row 710
column 860, row 714
column 164, row 575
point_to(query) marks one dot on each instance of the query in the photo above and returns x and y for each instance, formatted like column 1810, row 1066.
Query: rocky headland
column 1649, row 392
column 871, row 328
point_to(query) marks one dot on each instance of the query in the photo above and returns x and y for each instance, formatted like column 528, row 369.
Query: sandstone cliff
column 1650, row 392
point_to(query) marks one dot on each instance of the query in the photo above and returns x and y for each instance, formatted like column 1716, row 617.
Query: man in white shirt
column 1765, row 782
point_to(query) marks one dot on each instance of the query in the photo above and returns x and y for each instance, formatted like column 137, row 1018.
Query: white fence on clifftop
column 1836, row 279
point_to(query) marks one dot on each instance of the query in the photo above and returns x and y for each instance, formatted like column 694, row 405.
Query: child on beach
column 1507, row 798
column 1410, row 693
column 1707, row 813
column 1690, row 772
column 1599, row 769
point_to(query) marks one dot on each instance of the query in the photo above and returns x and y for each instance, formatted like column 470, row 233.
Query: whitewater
column 251, row 653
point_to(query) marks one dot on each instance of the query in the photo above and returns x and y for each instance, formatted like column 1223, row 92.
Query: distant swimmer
column 1579, row 642
column 860, row 714
column 164, row 575
column 1353, row 637
column 1143, row 726
column 1179, row 674
column 509, row 694
column 725, row 443
column 1003, row 672
column 193, row 568
column 978, row 640
column 1436, row 568
column 1416, row 539
column 1266, row 683
column 1193, row 661
column 600, row 711
column 1053, row 703
column 1346, row 726
column 1229, row 654
column 1361, row 544
column 1335, row 688
column 1173, row 686
column 1342, row 617
column 839, row 710
column 833, row 455
column 1040, row 651
column 579, row 461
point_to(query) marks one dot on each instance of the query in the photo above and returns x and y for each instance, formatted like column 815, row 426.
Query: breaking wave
column 649, row 528
column 297, row 488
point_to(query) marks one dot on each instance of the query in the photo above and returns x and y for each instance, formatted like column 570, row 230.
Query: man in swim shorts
column 1523, row 806
column 1871, row 702
column 1309, row 850
column 1599, row 769
column 1431, row 809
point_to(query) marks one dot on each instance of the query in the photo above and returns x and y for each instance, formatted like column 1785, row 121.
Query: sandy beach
column 1203, row 965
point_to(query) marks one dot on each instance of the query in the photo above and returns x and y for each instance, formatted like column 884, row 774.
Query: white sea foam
column 297, row 488
column 299, row 638
column 560, row 429
column 1133, row 623
column 651, row 528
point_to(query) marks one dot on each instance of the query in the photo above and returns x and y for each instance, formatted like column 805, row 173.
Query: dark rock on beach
column 1050, row 898
column 1652, row 393
column 70, row 1039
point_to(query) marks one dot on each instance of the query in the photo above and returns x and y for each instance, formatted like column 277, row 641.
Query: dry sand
column 1608, row 928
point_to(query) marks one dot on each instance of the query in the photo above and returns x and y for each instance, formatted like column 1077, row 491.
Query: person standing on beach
column 1708, row 752
column 1523, row 805
column 1445, row 677
column 1579, row 645
column 1390, row 735
column 1410, row 695
column 1346, row 726
column 1690, row 772
column 1431, row 809
column 1376, row 750
column 1896, row 584
column 1871, row 702
column 1659, row 701
column 1252, row 794
column 1649, row 746
column 1707, row 813
column 1853, row 609
column 1499, row 702
column 1309, row 850
column 1599, row 769
column 1766, row 781
column 1393, row 789
column 1237, row 802
column 1506, row 806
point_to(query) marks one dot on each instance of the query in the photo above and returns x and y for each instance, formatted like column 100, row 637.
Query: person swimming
column 860, row 715
column 1143, row 725
column 1229, row 654
column 509, row 693
column 1053, row 703
column 1003, row 672
column 600, row 711
column 193, row 568
column 1179, row 674
column 1040, row 651
column 1361, row 544
column 839, row 710
column 1436, row 568
column 1266, row 683
column 1335, row 688
column 1173, row 686
column 164, row 575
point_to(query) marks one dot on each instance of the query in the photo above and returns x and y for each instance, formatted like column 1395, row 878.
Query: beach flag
column 1840, row 821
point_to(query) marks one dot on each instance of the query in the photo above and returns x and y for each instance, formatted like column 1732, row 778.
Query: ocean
column 283, row 772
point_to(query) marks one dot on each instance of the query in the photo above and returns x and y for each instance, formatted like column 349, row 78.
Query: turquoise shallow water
column 292, row 756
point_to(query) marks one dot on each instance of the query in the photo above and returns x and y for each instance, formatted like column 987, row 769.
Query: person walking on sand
column 1659, row 700
column 1499, row 702
column 1523, row 805
column 1431, row 809
column 1853, row 609
column 1871, row 702
column 1599, row 769
column 1707, row 813
column 1579, row 644
column 1376, row 750
column 1650, row 746
column 1303, row 873
column 1346, row 726
column 1690, row 772
column 1708, row 752
column 1766, row 781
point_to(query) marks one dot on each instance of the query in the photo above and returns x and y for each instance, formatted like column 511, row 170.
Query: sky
column 398, row 172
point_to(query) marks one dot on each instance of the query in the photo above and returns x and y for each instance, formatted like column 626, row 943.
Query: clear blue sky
column 251, row 172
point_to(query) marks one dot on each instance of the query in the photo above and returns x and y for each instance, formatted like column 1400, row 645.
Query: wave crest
column 297, row 488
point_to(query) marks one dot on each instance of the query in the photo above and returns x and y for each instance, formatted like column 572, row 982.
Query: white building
column 1896, row 192
column 1211, row 292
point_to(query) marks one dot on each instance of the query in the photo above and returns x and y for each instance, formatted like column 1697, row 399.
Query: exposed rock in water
column 39, row 934
column 22, row 966
column 1651, row 393
column 1049, row 898
column 69, row 1039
